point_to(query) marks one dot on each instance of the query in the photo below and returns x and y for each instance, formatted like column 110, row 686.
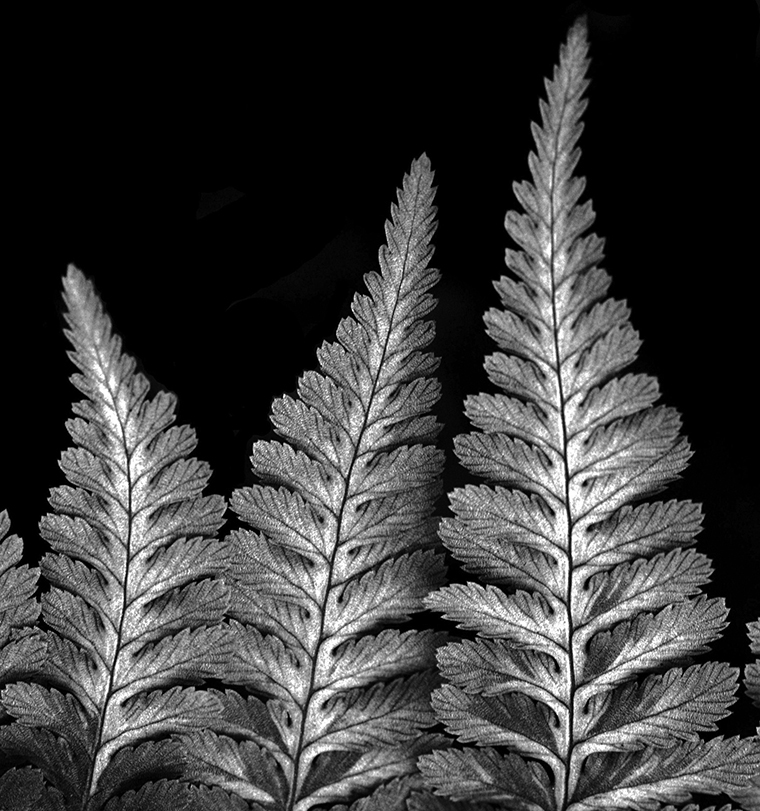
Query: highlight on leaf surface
column 341, row 546
column 579, row 687
column 136, row 599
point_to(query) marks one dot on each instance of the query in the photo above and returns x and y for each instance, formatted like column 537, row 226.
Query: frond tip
column 590, row 613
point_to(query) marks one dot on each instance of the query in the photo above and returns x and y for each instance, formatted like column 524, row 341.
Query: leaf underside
column 578, row 687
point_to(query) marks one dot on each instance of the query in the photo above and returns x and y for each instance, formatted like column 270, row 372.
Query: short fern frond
column 136, row 600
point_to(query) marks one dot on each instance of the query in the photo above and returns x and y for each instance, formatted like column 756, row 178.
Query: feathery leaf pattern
column 579, row 687
column 136, row 601
column 22, row 653
column 22, row 647
column 342, row 545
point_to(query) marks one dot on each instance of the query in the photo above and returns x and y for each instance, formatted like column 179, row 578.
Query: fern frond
column 344, row 545
column 752, row 673
column 749, row 795
column 23, row 650
column 136, row 600
column 589, row 598
column 22, row 647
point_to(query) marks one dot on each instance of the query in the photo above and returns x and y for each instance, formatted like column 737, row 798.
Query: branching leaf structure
column 289, row 666
column 22, row 647
column 136, row 602
column 342, row 547
column 578, row 686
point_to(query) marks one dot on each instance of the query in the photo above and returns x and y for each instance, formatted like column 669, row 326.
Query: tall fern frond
column 579, row 687
column 342, row 546
column 135, row 605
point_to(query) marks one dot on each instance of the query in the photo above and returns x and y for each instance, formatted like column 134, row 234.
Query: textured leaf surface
column 22, row 646
column 749, row 795
column 577, row 684
column 135, row 605
column 341, row 546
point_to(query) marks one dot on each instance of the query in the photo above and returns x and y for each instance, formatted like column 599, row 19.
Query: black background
column 225, row 183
